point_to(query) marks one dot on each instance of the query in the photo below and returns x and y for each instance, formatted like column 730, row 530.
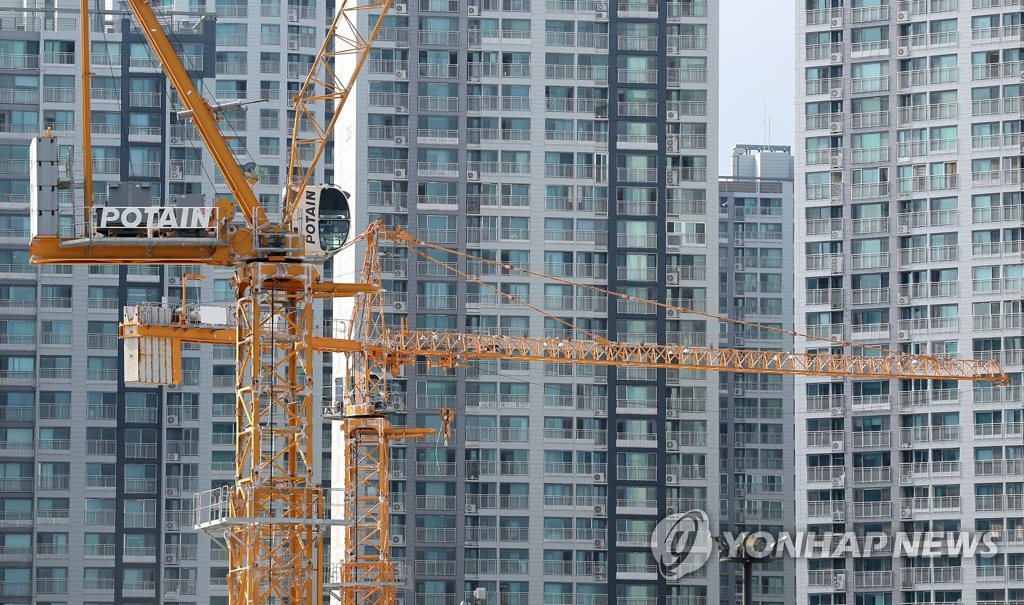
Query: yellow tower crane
column 273, row 520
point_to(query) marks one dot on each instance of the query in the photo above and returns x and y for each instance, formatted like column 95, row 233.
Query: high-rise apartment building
column 576, row 138
column 756, row 410
column 908, row 230
column 97, row 478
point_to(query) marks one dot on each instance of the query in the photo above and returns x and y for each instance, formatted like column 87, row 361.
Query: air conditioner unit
column 836, row 162
column 738, row 391
column 293, row 15
column 399, row 140
column 671, row 479
column 170, row 559
column 902, row 51
column 671, row 50
column 399, row 173
column 176, row 173
column 670, row 510
column 399, row 306
column 839, row 581
column 835, row 265
column 176, row 141
column 741, row 492
column 171, row 525
column 397, row 506
column 839, row 481
column 173, row 281
column 903, row 335
column 401, row 74
column 837, row 411
column 399, row 271
column 1022, row 76
column 836, row 93
column 835, row 23
column 472, row 11
column 398, row 473
column 173, row 457
column 906, row 513
column 906, row 480
column 293, row 45
column 397, row 540
column 836, row 57
column 672, row 278
column 903, row 300
column 601, row 16
column 600, row 478
column 601, row 6
column 835, row 127
column 293, row 75
column 471, row 509
column 836, row 234
column 837, row 446
column 172, row 419
column 671, row 115
column 903, row 16
column 599, row 576
column 600, row 544
column 600, row 510
column 902, row 229
column 401, row 109
column 672, row 445
column 401, row 9
column 737, row 266
column 906, row 445
column 670, row 414
column 472, row 175
column 171, row 492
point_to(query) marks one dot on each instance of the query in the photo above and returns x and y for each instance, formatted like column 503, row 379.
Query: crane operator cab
column 325, row 220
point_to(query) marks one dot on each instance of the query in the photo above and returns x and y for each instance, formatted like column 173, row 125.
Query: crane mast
column 274, row 518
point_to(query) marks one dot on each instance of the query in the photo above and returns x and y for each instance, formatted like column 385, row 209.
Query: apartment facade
column 98, row 477
column 576, row 139
column 756, row 410
column 908, row 230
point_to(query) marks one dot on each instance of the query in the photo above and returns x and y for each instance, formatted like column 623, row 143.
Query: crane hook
column 447, row 417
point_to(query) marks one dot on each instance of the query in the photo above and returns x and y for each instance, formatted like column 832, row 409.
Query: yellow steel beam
column 228, row 336
column 50, row 250
column 202, row 115
column 197, row 334
column 332, row 290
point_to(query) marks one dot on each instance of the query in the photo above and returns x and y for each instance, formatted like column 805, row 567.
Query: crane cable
column 401, row 236
column 510, row 297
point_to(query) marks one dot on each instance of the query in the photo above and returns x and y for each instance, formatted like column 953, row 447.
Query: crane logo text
column 153, row 218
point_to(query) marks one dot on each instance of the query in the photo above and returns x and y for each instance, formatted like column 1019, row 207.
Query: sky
column 757, row 71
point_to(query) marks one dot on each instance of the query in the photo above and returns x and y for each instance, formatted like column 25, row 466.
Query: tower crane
column 273, row 520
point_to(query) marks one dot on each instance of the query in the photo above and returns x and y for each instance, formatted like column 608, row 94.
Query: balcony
column 875, row 474
column 872, row 510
